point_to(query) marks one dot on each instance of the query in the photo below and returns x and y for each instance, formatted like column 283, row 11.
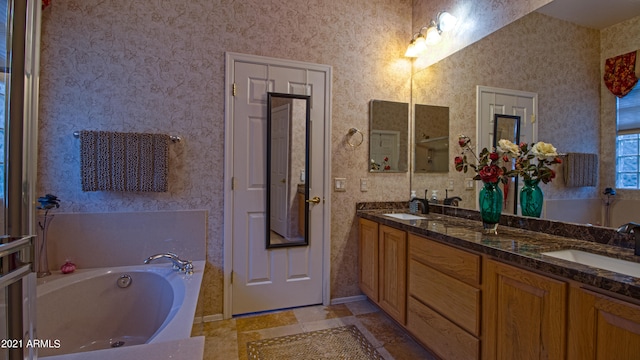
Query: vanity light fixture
column 419, row 42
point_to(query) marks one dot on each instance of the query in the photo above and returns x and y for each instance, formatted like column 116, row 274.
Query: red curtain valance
column 619, row 73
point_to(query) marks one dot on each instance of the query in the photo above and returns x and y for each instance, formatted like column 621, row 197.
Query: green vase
column 490, row 206
column 531, row 198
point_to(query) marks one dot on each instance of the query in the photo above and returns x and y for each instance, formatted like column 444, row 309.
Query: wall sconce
column 419, row 41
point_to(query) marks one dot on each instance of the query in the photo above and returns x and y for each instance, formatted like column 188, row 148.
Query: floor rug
column 345, row 342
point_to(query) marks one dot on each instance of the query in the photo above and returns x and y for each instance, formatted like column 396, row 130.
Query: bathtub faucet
column 182, row 265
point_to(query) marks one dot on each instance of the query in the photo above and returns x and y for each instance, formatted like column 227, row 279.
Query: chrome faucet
column 632, row 228
column 182, row 265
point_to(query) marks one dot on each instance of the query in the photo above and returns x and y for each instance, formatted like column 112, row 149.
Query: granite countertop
column 517, row 245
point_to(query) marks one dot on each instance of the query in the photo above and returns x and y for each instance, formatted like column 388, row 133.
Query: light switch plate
column 364, row 184
column 450, row 184
column 339, row 184
column 468, row 183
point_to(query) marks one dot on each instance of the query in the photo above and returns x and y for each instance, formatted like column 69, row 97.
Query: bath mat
column 345, row 342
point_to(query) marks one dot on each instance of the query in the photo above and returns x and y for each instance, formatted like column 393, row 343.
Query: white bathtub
column 88, row 311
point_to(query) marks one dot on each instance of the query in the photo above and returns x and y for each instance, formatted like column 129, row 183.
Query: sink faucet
column 182, row 265
column 423, row 202
column 632, row 228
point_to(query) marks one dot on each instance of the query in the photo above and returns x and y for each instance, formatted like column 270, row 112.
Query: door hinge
column 232, row 276
column 233, row 89
column 233, row 183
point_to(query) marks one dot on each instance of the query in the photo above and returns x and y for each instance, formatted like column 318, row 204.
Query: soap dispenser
column 413, row 205
column 434, row 196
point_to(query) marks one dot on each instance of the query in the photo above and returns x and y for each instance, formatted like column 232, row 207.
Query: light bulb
column 411, row 50
column 433, row 36
column 446, row 21
column 421, row 45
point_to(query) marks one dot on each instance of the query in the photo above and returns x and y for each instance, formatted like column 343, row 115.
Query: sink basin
column 405, row 216
column 598, row 261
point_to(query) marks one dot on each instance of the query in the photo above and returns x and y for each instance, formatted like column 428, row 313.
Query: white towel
column 115, row 161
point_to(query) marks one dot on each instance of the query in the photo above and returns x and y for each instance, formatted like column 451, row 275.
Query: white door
column 491, row 101
column 280, row 169
column 265, row 279
column 385, row 144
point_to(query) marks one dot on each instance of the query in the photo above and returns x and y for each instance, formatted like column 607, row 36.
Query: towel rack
column 173, row 138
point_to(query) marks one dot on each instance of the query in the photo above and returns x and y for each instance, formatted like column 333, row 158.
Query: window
column 628, row 141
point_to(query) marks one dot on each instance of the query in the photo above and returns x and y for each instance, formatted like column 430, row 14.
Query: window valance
column 621, row 73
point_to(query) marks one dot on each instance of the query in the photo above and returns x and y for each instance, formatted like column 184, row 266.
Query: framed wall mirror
column 287, row 208
column 388, row 136
column 508, row 127
column 431, row 129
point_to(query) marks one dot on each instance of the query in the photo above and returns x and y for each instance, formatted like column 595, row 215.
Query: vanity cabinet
column 602, row 327
column 392, row 294
column 524, row 314
column 383, row 267
column 368, row 258
column 444, row 306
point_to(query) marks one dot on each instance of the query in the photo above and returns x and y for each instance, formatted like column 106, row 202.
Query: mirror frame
column 305, row 242
column 515, row 140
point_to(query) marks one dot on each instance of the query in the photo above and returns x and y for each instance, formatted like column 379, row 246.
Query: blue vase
column 490, row 202
column 531, row 198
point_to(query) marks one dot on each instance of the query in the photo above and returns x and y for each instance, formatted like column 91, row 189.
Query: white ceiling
column 597, row 14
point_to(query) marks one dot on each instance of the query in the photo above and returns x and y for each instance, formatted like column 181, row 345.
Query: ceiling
column 596, row 14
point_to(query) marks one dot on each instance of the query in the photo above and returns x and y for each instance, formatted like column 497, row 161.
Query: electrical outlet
column 450, row 184
column 339, row 184
column 364, row 184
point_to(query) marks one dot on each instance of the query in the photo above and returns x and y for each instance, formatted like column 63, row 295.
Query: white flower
column 507, row 147
column 543, row 150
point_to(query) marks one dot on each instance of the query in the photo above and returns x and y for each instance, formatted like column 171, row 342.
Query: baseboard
column 348, row 299
column 207, row 318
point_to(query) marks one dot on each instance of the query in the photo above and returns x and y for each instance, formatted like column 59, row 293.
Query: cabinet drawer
column 457, row 301
column 457, row 263
column 440, row 335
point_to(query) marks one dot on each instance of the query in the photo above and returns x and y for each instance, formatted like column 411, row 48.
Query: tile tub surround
column 516, row 245
column 93, row 240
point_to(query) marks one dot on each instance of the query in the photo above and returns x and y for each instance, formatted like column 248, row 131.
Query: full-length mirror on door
column 287, row 204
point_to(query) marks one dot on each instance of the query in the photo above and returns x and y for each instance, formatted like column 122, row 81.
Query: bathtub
column 94, row 309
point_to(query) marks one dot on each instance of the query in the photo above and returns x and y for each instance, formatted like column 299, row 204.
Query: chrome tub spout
column 182, row 265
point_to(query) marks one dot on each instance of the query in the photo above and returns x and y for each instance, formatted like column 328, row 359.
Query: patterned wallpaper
column 556, row 59
column 158, row 66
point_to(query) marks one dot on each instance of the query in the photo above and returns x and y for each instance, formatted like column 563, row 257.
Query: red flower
column 557, row 160
column 494, row 156
column 459, row 163
column 490, row 173
column 505, row 158
column 386, row 158
column 387, row 167
column 463, row 141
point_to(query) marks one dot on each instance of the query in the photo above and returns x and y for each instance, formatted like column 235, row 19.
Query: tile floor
column 227, row 339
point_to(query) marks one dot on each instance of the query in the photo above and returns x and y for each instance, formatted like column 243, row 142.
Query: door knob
column 315, row 200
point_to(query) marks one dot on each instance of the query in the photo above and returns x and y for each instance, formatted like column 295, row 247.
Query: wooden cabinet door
column 524, row 314
column 602, row 327
column 368, row 258
column 392, row 295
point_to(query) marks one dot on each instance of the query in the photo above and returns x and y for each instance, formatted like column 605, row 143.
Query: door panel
column 491, row 101
column 280, row 277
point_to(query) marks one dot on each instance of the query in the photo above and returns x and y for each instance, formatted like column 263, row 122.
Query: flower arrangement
column 487, row 165
column 544, row 154
column 385, row 164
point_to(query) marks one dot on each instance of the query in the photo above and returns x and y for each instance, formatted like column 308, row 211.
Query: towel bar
column 173, row 138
